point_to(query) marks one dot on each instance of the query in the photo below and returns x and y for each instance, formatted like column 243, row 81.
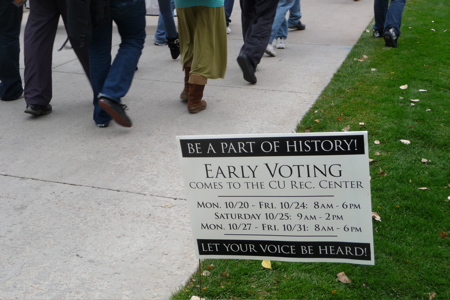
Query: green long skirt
column 203, row 40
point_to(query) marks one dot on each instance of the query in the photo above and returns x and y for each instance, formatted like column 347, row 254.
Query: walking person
column 228, row 4
column 257, row 19
column 10, row 22
column 39, row 37
column 388, row 20
column 203, row 46
column 111, row 79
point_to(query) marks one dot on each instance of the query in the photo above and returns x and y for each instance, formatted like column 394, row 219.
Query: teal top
column 189, row 3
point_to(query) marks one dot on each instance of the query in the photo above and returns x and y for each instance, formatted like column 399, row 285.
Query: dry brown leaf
column 343, row 278
column 406, row 142
column 346, row 128
column 443, row 234
column 317, row 121
column 210, row 267
column 432, row 295
column 206, row 273
column 376, row 216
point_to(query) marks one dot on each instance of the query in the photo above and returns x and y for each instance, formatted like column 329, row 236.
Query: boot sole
column 115, row 113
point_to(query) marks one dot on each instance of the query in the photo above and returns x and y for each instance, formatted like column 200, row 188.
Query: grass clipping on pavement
column 401, row 97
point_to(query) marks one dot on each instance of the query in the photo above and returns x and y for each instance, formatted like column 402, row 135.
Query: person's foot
column 160, row 43
column 269, row 51
column 390, row 38
column 280, row 44
column 174, row 47
column 298, row 26
column 377, row 33
column 38, row 110
column 247, row 68
column 228, row 30
column 116, row 110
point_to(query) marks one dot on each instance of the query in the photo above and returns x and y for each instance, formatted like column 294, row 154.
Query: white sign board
column 287, row 197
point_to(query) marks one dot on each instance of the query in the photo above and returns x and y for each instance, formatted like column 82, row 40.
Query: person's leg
column 39, row 37
column 380, row 11
column 280, row 17
column 166, row 8
column 130, row 22
column 257, row 19
column 160, row 38
column 295, row 14
column 228, row 5
column 394, row 16
column 100, row 64
column 10, row 22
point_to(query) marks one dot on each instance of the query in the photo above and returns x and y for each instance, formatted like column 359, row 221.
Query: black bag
column 83, row 15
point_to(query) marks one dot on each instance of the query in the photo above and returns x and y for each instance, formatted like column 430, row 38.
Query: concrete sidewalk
column 89, row 213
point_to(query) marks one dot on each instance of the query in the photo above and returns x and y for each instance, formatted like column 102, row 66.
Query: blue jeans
column 10, row 80
column 295, row 14
column 228, row 5
column 388, row 16
column 280, row 18
column 113, row 81
column 166, row 24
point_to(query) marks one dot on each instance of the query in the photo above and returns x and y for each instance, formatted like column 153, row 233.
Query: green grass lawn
column 412, row 249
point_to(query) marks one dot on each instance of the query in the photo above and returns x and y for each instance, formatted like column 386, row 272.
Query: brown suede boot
column 196, row 86
column 185, row 93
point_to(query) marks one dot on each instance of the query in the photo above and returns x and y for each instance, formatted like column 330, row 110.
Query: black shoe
column 390, row 38
column 377, row 33
column 38, row 110
column 174, row 46
column 247, row 68
column 298, row 26
column 116, row 110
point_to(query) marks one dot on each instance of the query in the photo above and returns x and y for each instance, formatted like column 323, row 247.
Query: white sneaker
column 228, row 30
column 270, row 51
column 280, row 43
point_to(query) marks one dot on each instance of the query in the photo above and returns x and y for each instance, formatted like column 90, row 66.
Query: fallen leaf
column 432, row 295
column 373, row 69
column 339, row 119
column 376, row 142
column 317, row 121
column 422, row 90
column 210, row 267
column 333, row 291
column 428, row 109
column 404, row 87
column 225, row 275
column 422, row 188
column 343, row 278
column 443, row 234
column 377, row 153
column 266, row 264
column 406, row 142
column 414, row 100
column 371, row 160
column 381, row 173
column 362, row 124
column 376, row 216
column 196, row 298
column 206, row 273
column 424, row 160
column 346, row 128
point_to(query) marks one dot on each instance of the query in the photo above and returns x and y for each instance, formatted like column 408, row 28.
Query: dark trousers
column 40, row 33
column 10, row 22
column 257, row 18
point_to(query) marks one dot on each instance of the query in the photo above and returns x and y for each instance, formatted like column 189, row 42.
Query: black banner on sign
column 274, row 146
column 291, row 249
